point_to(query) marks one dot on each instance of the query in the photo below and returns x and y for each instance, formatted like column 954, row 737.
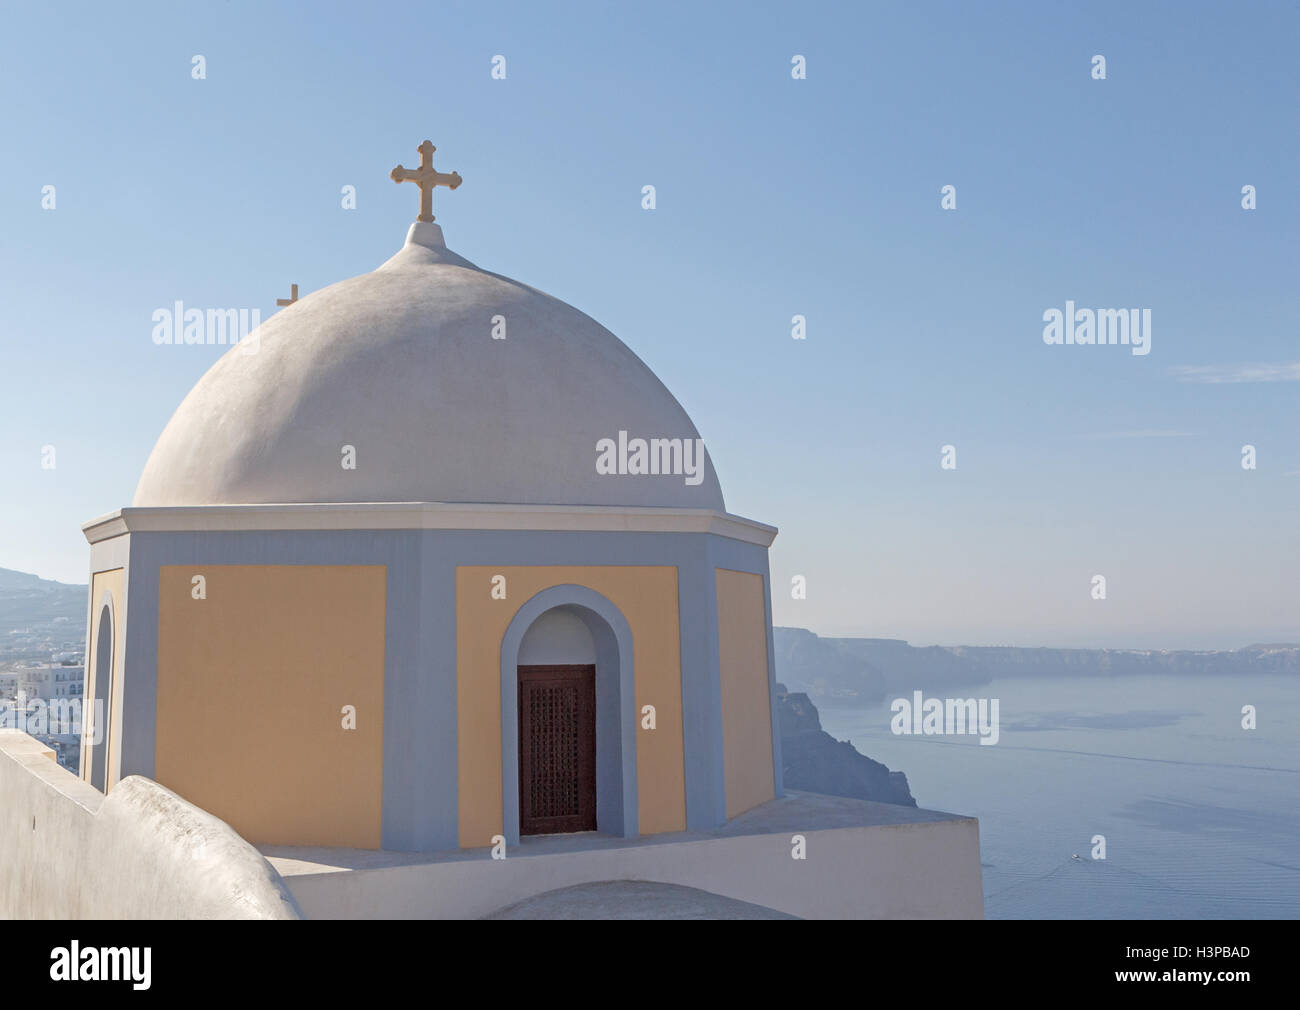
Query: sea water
column 1201, row 818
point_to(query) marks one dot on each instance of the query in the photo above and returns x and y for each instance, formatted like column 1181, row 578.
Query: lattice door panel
column 557, row 749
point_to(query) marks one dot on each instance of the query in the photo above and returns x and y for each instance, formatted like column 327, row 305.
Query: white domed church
column 428, row 605
column 433, row 561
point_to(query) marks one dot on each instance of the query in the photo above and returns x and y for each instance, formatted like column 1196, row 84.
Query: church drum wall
column 420, row 740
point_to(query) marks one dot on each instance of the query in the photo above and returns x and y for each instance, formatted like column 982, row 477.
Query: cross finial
column 426, row 178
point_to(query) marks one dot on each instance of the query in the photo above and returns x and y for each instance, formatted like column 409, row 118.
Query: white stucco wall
column 142, row 852
column 890, row 871
column 68, row 852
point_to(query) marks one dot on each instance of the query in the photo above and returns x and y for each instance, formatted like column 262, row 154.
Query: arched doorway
column 568, row 717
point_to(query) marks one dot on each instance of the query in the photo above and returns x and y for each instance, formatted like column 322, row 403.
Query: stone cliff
column 814, row 761
column 865, row 671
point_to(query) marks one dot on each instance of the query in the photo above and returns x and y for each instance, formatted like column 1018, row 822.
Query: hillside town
column 42, row 655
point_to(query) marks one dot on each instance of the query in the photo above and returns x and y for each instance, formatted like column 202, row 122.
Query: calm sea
column 1201, row 818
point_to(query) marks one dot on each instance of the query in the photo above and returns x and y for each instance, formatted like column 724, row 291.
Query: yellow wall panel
column 252, row 682
column 746, row 697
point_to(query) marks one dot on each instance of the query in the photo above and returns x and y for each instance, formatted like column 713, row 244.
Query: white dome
column 401, row 364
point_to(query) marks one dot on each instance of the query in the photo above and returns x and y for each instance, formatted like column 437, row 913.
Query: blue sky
column 819, row 197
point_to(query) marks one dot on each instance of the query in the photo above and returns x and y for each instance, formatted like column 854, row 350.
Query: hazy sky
column 776, row 197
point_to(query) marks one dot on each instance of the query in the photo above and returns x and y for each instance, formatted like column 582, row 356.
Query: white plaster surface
column 425, row 516
column 68, row 852
column 865, row 861
column 633, row 899
column 400, row 363
column 558, row 636
column 142, row 852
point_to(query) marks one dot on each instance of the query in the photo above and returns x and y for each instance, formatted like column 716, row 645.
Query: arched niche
column 553, row 615
column 98, row 720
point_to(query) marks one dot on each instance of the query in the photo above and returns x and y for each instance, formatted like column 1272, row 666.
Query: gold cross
column 426, row 178
column 293, row 296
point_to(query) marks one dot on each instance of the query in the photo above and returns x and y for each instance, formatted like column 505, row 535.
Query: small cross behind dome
column 426, row 178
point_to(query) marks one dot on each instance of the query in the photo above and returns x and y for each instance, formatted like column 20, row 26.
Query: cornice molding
column 426, row 516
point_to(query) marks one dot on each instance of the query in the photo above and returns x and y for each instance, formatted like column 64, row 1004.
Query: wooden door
column 557, row 749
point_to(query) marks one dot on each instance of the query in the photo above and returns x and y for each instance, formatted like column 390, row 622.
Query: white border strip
column 426, row 516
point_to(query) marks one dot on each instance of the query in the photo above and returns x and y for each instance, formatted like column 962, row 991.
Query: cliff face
column 1011, row 662
column 814, row 761
column 821, row 667
column 862, row 671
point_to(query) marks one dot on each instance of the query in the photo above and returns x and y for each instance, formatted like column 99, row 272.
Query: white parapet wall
column 69, row 852
column 862, row 861
column 142, row 852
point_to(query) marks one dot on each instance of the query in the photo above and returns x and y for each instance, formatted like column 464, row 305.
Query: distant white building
column 67, row 681
column 46, row 681
column 36, row 681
